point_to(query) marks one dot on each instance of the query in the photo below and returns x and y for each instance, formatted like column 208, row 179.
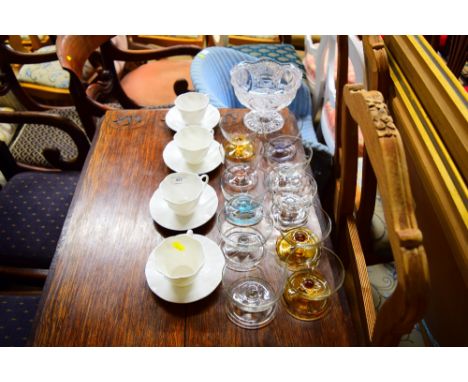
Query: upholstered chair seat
column 47, row 82
column 158, row 78
column 47, row 73
column 16, row 318
column 33, row 207
column 383, row 280
column 31, row 139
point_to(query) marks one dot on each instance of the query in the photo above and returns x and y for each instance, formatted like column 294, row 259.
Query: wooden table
column 96, row 293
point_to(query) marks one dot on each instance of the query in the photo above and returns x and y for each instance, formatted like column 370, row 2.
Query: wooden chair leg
column 24, row 274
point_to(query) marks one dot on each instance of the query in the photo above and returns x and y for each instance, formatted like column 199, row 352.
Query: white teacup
column 182, row 191
column 192, row 106
column 180, row 258
column 194, row 142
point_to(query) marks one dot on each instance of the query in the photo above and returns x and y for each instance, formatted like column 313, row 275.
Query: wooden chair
column 168, row 71
column 29, row 43
column 165, row 41
column 429, row 106
column 368, row 69
column 41, row 167
column 245, row 39
column 407, row 304
column 11, row 58
column 73, row 51
column 34, row 201
column 46, row 82
column 226, row 40
column 70, row 133
column 369, row 212
column 34, row 139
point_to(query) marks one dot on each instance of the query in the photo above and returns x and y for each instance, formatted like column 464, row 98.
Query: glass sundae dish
column 265, row 86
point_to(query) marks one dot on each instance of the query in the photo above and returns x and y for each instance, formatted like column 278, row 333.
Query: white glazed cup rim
column 180, row 101
column 167, row 196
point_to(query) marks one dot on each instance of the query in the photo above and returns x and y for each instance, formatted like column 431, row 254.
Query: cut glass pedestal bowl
column 265, row 87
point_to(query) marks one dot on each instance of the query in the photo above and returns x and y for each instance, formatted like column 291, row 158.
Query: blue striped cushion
column 210, row 72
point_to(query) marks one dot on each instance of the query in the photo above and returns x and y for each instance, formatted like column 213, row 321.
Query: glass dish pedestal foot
column 248, row 307
column 263, row 123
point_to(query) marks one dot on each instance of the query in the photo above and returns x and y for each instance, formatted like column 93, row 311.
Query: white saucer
column 165, row 217
column 205, row 282
column 176, row 162
column 175, row 122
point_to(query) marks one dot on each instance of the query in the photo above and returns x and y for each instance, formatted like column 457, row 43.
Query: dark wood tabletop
column 96, row 293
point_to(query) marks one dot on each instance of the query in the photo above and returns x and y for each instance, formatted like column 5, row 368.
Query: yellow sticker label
column 179, row 246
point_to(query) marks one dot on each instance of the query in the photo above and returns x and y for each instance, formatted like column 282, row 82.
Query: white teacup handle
column 204, row 178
